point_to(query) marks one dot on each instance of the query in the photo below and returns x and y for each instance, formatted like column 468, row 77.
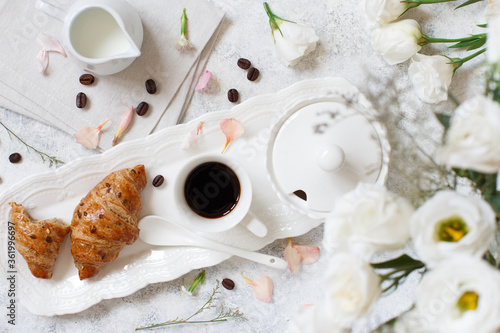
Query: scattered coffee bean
column 81, row 100
column 87, row 79
column 244, row 63
column 228, row 284
column 15, row 158
column 232, row 95
column 142, row 108
column 158, row 180
column 151, row 86
column 253, row 74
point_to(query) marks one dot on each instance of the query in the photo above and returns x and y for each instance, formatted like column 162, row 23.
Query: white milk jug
column 101, row 36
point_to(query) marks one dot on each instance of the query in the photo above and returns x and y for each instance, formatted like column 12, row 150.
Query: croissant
column 106, row 220
column 38, row 241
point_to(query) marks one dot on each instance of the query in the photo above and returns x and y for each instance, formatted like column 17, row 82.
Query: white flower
column 409, row 322
column 431, row 76
column 367, row 220
column 297, row 41
column 397, row 42
column 352, row 286
column 472, row 141
column 460, row 296
column 450, row 225
column 384, row 11
column 292, row 41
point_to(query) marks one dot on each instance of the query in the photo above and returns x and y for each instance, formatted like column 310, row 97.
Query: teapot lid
column 322, row 150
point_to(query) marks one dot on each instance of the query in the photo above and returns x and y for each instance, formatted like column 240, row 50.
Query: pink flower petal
column 126, row 119
column 89, row 136
column 262, row 288
column 203, row 81
column 308, row 254
column 43, row 59
column 49, row 43
column 193, row 136
column 232, row 129
column 292, row 257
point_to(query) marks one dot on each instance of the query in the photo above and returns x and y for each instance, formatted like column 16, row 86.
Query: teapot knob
column 330, row 157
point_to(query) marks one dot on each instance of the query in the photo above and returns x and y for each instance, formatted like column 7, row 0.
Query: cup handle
column 254, row 225
column 50, row 10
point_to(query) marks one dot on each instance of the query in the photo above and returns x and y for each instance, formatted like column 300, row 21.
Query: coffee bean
column 151, row 86
column 87, row 79
column 15, row 158
column 158, row 180
column 253, row 74
column 142, row 108
column 228, row 284
column 244, row 63
column 232, row 95
column 81, row 100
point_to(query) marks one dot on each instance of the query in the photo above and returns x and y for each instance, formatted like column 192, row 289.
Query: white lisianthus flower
column 398, row 41
column 292, row 41
column 450, row 225
column 460, row 296
column 385, row 11
column 367, row 220
column 409, row 322
column 431, row 76
column 351, row 288
column 472, row 141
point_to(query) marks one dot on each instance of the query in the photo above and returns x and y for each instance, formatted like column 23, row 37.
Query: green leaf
column 495, row 203
column 477, row 44
column 469, row 2
column 402, row 262
column 444, row 119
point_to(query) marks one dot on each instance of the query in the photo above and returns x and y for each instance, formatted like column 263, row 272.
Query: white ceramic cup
column 100, row 36
column 240, row 214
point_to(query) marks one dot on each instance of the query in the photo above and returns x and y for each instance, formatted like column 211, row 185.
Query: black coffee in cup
column 212, row 190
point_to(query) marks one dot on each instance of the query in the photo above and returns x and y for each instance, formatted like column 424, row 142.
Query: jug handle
column 50, row 10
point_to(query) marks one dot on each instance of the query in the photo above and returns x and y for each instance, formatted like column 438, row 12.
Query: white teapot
column 102, row 36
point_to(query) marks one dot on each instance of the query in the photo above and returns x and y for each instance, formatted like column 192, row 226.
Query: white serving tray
column 57, row 192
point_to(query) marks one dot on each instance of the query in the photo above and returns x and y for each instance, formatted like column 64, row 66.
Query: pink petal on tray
column 308, row 254
column 232, row 129
column 126, row 119
column 49, row 43
column 43, row 59
column 262, row 288
column 89, row 136
column 292, row 257
column 193, row 136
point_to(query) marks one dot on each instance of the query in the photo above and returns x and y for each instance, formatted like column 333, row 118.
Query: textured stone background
column 344, row 50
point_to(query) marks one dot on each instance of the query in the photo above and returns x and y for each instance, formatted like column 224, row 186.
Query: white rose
column 460, row 296
column 297, row 41
column 431, row 76
column 472, row 141
column 384, row 11
column 352, row 286
column 450, row 225
column 398, row 41
column 367, row 220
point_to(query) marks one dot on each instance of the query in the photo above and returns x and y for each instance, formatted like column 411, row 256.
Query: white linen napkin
column 51, row 97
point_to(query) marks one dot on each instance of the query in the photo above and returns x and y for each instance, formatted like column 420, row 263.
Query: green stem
column 472, row 56
column 424, row 40
column 183, row 22
column 52, row 159
column 275, row 25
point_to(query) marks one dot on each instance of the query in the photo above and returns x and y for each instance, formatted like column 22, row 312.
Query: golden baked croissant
column 38, row 241
column 106, row 220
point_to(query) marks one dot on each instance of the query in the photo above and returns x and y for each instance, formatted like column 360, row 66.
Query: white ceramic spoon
column 156, row 230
